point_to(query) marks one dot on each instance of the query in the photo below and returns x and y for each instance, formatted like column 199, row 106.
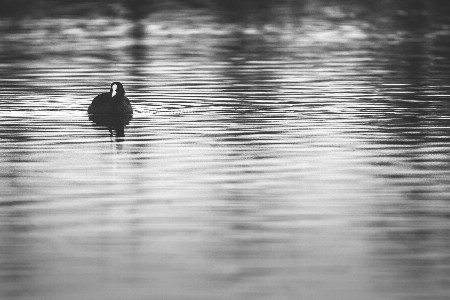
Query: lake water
column 298, row 150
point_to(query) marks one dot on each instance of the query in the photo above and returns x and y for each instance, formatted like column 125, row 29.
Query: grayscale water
column 293, row 150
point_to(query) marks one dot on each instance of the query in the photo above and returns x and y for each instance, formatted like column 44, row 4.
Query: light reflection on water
column 307, row 159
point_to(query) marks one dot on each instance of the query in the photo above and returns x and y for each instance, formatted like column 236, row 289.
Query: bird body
column 111, row 103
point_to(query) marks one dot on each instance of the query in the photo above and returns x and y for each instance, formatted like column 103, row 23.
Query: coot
column 111, row 103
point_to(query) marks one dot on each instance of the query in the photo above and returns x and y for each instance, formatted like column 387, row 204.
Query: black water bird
column 112, row 103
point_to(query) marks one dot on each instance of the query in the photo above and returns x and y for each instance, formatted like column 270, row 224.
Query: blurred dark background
column 230, row 10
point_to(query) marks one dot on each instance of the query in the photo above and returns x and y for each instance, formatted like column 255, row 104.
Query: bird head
column 117, row 90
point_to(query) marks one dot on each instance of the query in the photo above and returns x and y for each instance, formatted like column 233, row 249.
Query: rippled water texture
column 278, row 150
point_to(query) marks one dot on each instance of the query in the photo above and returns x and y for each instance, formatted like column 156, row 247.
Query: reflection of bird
column 113, row 102
column 112, row 122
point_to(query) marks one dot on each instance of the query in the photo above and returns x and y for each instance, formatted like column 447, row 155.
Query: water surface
column 297, row 151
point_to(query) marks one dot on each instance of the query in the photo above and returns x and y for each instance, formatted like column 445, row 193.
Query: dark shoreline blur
column 229, row 10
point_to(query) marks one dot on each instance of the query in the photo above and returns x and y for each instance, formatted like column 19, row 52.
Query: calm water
column 298, row 154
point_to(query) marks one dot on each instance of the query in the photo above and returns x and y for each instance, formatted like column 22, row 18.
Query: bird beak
column 114, row 91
